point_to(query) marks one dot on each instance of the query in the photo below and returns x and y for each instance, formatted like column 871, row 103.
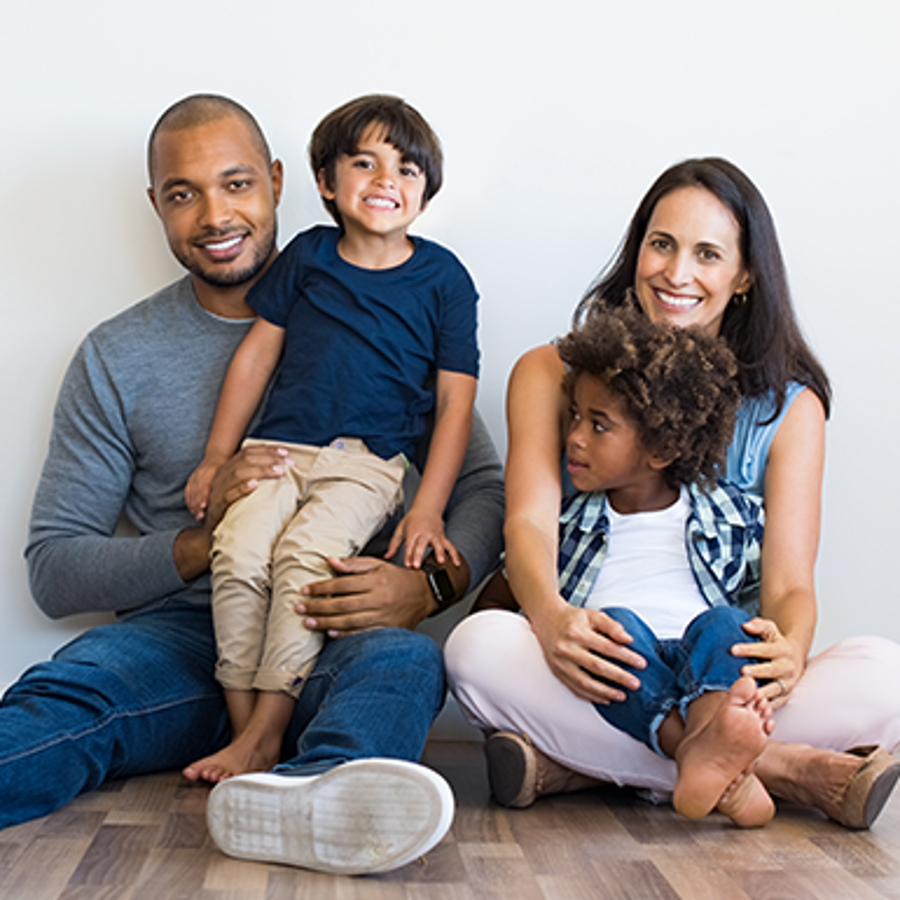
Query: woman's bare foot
column 746, row 802
column 712, row 756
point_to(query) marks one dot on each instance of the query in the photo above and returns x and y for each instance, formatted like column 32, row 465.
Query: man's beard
column 232, row 278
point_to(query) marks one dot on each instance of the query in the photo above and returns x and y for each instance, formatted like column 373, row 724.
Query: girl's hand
column 779, row 663
column 421, row 529
column 582, row 646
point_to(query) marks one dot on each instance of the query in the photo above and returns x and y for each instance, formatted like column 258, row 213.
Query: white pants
column 497, row 672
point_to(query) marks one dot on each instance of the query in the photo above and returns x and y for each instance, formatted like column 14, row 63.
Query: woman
column 701, row 250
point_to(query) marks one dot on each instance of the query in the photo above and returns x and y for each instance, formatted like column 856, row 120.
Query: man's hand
column 238, row 477
column 371, row 593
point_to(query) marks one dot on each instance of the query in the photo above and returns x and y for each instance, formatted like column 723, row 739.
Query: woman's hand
column 582, row 646
column 779, row 663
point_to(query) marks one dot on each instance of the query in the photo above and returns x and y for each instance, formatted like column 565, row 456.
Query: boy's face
column 375, row 191
column 603, row 448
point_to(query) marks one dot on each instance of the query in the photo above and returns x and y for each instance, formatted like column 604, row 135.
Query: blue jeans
column 139, row 696
column 678, row 671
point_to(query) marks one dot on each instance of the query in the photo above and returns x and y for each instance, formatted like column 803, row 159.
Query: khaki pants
column 277, row 539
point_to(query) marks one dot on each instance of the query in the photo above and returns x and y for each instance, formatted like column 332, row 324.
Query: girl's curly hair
column 678, row 385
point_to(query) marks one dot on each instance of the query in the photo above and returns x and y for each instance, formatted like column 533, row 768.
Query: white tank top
column 647, row 568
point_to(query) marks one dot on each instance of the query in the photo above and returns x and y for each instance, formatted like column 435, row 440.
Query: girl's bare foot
column 711, row 758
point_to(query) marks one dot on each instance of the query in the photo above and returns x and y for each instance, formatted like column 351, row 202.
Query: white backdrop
column 555, row 118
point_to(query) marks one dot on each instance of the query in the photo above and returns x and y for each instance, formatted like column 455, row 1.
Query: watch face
column 441, row 586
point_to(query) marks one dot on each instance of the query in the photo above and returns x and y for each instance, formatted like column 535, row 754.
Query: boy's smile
column 377, row 192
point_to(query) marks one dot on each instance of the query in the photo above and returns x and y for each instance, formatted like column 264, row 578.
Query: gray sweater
column 129, row 427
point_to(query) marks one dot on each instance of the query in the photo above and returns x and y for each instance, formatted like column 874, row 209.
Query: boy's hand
column 421, row 529
column 196, row 493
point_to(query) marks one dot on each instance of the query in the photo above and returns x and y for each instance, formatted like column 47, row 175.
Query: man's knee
column 395, row 655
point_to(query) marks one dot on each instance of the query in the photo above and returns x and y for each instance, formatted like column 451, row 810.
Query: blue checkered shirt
column 723, row 537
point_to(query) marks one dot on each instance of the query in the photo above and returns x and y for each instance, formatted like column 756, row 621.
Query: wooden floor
column 145, row 839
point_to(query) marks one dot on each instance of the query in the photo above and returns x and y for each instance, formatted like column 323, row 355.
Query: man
column 139, row 695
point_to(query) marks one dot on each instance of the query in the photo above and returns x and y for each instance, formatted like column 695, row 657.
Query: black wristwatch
column 441, row 584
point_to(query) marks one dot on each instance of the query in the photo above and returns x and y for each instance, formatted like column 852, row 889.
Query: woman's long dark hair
column 762, row 332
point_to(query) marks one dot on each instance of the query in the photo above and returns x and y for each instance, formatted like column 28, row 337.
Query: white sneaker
column 369, row 815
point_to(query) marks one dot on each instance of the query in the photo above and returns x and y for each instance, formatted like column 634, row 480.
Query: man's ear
column 276, row 173
column 151, row 194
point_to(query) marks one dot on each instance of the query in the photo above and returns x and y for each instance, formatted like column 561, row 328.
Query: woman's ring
column 781, row 685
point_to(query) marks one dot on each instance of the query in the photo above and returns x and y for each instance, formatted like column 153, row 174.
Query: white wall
column 555, row 119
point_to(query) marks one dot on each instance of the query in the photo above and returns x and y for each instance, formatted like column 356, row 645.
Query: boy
column 373, row 330
column 652, row 415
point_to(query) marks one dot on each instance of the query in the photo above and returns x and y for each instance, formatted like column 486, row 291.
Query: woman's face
column 689, row 264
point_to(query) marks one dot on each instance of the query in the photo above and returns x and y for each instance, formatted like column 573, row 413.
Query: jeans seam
column 104, row 722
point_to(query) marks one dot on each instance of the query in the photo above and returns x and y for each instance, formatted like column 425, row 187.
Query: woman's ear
column 744, row 284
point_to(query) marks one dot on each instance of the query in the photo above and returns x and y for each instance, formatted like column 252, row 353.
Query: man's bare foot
column 746, row 802
column 244, row 754
column 712, row 757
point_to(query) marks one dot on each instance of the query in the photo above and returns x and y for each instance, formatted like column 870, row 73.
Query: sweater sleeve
column 76, row 562
column 475, row 510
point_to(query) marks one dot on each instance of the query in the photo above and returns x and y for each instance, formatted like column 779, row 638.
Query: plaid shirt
column 723, row 537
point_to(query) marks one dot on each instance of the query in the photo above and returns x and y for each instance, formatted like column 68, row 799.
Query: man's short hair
column 201, row 109
column 399, row 125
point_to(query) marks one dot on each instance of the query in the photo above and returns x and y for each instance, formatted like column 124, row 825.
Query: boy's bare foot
column 711, row 758
column 243, row 755
column 747, row 802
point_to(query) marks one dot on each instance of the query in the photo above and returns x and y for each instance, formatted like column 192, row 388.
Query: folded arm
column 76, row 564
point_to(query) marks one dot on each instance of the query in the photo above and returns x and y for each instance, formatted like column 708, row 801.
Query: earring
column 739, row 299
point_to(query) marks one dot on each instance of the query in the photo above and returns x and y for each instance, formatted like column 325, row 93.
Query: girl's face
column 689, row 264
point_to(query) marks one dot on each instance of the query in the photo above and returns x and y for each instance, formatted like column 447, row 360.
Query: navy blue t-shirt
column 362, row 346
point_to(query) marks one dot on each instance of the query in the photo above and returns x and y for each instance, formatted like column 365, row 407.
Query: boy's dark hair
column 678, row 385
column 399, row 125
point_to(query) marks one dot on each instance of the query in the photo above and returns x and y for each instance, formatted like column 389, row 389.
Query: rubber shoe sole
column 362, row 817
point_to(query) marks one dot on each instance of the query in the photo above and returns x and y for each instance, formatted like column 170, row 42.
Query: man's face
column 216, row 197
